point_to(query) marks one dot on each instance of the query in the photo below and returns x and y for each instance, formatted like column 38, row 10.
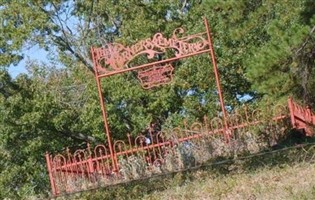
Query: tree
column 34, row 120
column 281, row 64
column 261, row 51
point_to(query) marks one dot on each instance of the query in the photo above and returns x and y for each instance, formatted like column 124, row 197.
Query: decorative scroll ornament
column 115, row 57
column 156, row 75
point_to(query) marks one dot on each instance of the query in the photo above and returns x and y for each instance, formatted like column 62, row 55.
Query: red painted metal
column 217, row 79
column 87, row 168
column 156, row 75
column 291, row 108
column 103, row 107
column 146, row 155
column 115, row 58
column 51, row 177
column 301, row 118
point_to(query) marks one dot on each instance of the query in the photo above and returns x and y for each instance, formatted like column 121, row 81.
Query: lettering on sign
column 115, row 56
column 156, row 75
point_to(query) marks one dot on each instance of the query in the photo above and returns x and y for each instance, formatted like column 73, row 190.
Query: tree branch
column 306, row 41
column 62, row 42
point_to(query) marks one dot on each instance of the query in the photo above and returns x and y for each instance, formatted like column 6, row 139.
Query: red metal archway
column 90, row 168
column 113, row 59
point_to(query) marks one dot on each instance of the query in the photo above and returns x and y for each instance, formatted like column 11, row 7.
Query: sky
column 34, row 53
column 39, row 54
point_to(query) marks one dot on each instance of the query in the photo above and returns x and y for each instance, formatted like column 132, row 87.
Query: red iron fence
column 301, row 118
column 168, row 151
column 164, row 151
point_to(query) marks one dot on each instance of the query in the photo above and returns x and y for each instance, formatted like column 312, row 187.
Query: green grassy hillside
column 278, row 182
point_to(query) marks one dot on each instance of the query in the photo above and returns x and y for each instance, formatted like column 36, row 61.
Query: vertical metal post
column 103, row 107
column 291, row 109
column 90, row 161
column 51, row 178
column 217, row 79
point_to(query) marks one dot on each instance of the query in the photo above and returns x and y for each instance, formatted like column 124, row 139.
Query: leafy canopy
column 264, row 49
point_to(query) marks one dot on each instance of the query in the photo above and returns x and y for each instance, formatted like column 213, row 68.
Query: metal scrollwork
column 115, row 56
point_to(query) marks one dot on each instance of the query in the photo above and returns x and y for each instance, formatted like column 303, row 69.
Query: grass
column 281, row 182
column 285, row 173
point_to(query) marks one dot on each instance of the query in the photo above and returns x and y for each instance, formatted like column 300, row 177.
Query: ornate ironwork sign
column 156, row 75
column 151, row 58
column 112, row 163
column 113, row 58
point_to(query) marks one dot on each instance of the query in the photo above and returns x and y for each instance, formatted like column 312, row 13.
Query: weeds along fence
column 166, row 151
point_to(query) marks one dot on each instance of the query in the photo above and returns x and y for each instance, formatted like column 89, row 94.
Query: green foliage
column 277, row 171
column 33, row 121
column 263, row 47
column 20, row 22
column 275, row 67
